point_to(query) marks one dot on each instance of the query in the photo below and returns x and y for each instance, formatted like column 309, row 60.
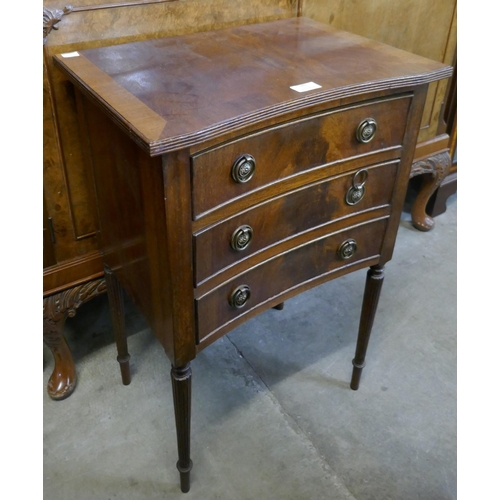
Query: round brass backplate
column 354, row 195
column 241, row 238
column 366, row 130
column 239, row 297
column 347, row 249
column 243, row 168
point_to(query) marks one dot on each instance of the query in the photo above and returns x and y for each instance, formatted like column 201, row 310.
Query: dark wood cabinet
column 237, row 168
column 73, row 265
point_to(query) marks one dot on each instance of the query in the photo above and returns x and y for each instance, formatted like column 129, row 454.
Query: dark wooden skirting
column 429, row 148
column 62, row 276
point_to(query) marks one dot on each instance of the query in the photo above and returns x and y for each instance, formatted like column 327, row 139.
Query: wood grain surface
column 230, row 78
column 289, row 271
column 295, row 148
column 201, row 102
column 427, row 28
column 278, row 219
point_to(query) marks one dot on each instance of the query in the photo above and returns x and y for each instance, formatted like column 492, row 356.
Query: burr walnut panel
column 119, row 23
column 70, row 197
column 427, row 28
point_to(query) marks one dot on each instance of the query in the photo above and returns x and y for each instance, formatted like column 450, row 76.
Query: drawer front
column 286, row 216
column 224, row 173
column 286, row 272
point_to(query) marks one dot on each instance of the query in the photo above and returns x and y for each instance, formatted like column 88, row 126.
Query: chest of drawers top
column 186, row 91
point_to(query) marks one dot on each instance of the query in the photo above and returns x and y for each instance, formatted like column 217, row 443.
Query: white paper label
column 70, row 54
column 304, row 87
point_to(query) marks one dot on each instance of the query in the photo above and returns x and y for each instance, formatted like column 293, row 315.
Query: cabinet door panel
column 68, row 185
column 67, row 189
column 426, row 28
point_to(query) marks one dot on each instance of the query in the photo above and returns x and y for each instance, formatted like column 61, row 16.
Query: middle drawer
column 230, row 241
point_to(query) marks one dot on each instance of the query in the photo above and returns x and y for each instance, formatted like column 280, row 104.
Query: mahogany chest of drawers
column 237, row 168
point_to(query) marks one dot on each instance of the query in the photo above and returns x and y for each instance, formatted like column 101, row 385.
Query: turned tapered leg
column 181, row 389
column 115, row 296
column 373, row 286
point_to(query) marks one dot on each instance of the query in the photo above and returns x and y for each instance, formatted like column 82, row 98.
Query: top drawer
column 294, row 147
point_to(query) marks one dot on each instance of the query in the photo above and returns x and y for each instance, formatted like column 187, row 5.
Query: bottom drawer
column 285, row 272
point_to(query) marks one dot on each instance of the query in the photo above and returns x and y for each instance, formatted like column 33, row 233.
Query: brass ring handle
column 357, row 190
column 239, row 297
column 363, row 175
column 366, row 130
column 347, row 249
column 241, row 238
column 243, row 168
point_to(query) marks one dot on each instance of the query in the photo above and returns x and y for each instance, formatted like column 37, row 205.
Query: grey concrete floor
column 273, row 415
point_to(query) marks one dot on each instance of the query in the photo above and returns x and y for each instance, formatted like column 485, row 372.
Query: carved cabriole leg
column 181, row 388
column 374, row 280
column 438, row 166
column 115, row 297
column 63, row 379
column 56, row 308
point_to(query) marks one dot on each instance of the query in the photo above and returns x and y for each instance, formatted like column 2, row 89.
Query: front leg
column 374, row 280
column 181, row 388
column 56, row 308
column 437, row 168
column 62, row 382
